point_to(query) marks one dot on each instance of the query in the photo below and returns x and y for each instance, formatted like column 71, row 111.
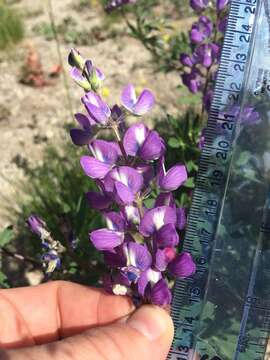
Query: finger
column 147, row 334
column 36, row 315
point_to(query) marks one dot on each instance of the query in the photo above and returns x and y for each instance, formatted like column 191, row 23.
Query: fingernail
column 151, row 321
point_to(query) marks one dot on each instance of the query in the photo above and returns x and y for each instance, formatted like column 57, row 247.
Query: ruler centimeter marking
column 229, row 85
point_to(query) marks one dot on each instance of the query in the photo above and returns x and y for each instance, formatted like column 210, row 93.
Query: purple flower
column 166, row 236
column 81, row 80
column 192, row 80
column 202, row 139
column 38, row 226
column 82, row 136
column 199, row 5
column 98, row 201
column 156, row 218
column 207, row 54
column 105, row 156
column 221, row 4
column 142, row 142
column 222, row 24
column 182, row 266
column 96, row 107
column 165, row 199
column 160, row 294
column 164, row 257
column 201, row 30
column 75, row 59
column 187, row 60
column 171, row 180
column 137, row 106
column 123, row 183
column 94, row 75
column 51, row 261
column 105, row 239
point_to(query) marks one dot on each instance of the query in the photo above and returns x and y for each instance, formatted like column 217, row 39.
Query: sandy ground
column 32, row 117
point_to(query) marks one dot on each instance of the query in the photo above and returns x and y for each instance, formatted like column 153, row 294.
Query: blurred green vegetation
column 11, row 26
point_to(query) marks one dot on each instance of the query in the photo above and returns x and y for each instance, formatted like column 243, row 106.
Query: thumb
column 145, row 335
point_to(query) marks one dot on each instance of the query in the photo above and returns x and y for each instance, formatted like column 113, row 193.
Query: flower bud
column 75, row 59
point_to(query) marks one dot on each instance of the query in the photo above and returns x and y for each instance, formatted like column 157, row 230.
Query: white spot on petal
column 153, row 276
column 140, row 134
column 158, row 218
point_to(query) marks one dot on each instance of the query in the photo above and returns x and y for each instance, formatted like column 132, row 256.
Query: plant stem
column 120, row 142
column 20, row 257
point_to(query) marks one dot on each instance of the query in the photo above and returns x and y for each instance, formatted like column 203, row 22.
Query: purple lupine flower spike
column 96, row 107
column 199, row 5
column 137, row 106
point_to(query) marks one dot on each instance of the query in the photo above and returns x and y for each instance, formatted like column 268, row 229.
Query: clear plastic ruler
column 223, row 311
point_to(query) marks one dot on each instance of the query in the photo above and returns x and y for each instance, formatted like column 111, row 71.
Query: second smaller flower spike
column 96, row 107
column 137, row 105
column 173, row 178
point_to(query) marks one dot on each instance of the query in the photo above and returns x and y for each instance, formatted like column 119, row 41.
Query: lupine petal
column 153, row 147
column 124, row 193
column 167, row 236
column 128, row 97
column 148, row 276
column 165, row 199
column 79, row 79
column 115, row 259
column 80, row 137
column 94, row 168
column 104, row 239
column 131, row 214
column 181, row 219
column 96, row 107
column 134, row 138
column 144, row 103
column 138, row 256
column 161, row 262
column 156, row 218
column 114, row 221
column 97, row 200
column 147, row 172
column 221, row 4
column 182, row 266
column 105, row 151
column 161, row 294
column 129, row 177
column 174, row 178
column 84, row 121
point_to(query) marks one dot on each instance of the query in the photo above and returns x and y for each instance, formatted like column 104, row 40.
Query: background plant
column 11, row 26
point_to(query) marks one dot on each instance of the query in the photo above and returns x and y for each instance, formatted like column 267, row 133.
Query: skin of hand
column 63, row 321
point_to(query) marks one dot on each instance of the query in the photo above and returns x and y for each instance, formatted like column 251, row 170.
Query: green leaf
column 3, row 281
column 174, row 143
column 190, row 183
column 6, row 236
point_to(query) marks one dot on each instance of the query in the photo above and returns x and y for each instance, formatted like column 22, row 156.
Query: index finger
column 48, row 312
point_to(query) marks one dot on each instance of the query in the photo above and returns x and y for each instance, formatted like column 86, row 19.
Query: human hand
column 90, row 324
